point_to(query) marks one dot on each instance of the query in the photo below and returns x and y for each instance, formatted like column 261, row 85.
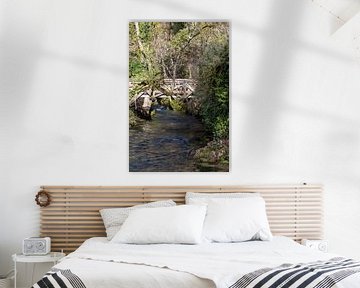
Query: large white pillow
column 113, row 218
column 236, row 220
column 180, row 224
column 204, row 198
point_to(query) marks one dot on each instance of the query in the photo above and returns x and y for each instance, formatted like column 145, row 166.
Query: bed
column 294, row 213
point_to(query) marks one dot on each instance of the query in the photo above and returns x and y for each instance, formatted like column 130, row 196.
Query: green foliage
column 170, row 48
column 133, row 119
column 177, row 105
column 177, row 26
column 146, row 30
column 135, row 68
column 215, row 152
column 165, row 102
column 214, row 91
column 135, row 91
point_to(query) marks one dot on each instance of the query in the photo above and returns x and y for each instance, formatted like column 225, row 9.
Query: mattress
column 99, row 263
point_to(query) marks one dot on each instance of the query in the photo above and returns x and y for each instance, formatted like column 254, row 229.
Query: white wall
column 63, row 87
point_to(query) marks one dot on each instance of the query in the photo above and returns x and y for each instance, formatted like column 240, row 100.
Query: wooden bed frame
column 73, row 215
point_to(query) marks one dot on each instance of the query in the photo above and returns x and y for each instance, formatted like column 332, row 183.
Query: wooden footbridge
column 168, row 88
column 175, row 88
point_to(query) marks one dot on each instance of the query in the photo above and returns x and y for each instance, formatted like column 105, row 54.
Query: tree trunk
column 173, row 77
column 141, row 46
column 163, row 66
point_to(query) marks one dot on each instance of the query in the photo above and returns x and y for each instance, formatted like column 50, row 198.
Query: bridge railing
column 168, row 81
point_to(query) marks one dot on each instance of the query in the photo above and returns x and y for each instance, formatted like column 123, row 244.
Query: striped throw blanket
column 320, row 274
column 57, row 278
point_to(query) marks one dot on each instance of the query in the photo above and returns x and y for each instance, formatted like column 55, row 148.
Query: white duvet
column 100, row 263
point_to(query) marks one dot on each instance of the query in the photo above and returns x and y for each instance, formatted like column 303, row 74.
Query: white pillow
column 236, row 220
column 113, row 218
column 180, row 224
column 203, row 198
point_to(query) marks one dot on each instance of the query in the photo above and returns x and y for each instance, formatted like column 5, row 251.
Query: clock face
column 323, row 247
column 40, row 245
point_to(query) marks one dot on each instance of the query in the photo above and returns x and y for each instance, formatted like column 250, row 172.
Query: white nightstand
column 53, row 257
column 320, row 245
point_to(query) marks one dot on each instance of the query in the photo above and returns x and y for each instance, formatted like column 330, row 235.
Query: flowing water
column 167, row 143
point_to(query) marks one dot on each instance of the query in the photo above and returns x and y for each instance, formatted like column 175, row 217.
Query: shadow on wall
column 20, row 51
column 21, row 37
column 23, row 30
column 268, row 95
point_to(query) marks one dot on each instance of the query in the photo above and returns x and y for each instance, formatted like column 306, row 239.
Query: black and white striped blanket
column 57, row 278
column 320, row 274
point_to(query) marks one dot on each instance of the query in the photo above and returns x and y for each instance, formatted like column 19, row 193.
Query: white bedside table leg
column 15, row 273
column 32, row 274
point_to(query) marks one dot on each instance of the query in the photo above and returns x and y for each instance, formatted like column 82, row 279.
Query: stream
column 166, row 143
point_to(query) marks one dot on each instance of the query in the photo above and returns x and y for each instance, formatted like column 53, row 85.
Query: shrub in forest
column 216, row 151
column 214, row 91
column 178, row 105
column 133, row 119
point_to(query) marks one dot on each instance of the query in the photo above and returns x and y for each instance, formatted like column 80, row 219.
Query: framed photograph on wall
column 178, row 96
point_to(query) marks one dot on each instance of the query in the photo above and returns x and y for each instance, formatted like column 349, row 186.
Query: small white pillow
column 180, row 224
column 236, row 220
column 113, row 218
column 204, row 198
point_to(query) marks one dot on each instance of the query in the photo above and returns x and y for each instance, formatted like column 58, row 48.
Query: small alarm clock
column 320, row 245
column 36, row 246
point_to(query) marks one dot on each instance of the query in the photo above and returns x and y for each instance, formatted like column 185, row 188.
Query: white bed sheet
column 100, row 263
column 101, row 274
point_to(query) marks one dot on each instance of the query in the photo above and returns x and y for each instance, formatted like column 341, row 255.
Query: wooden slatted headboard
column 73, row 215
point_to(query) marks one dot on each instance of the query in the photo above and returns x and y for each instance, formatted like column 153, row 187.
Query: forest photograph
column 178, row 96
